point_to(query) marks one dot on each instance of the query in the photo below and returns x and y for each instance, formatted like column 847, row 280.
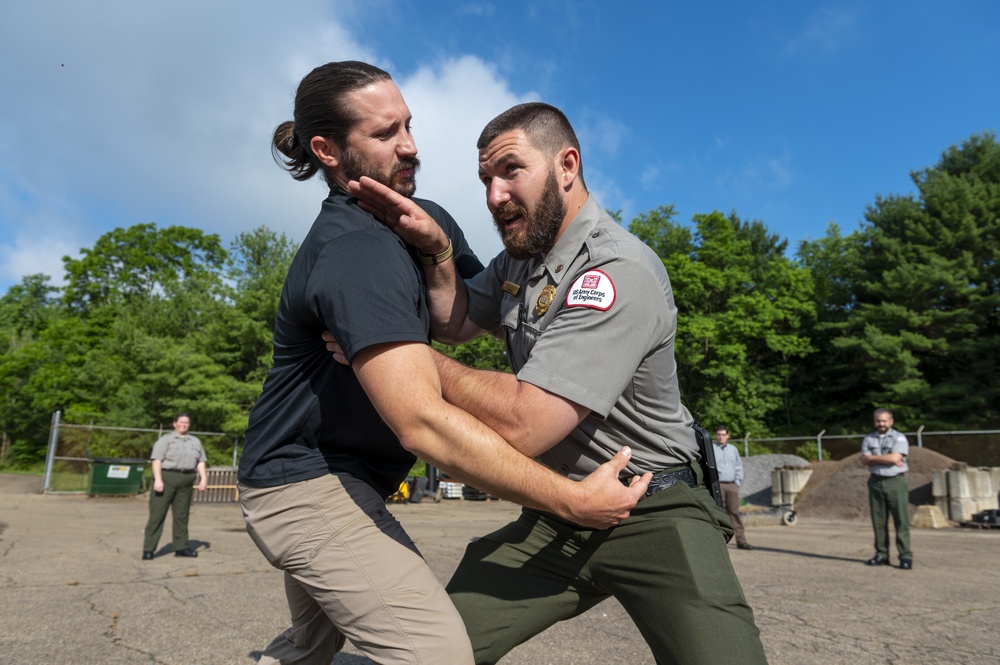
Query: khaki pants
column 731, row 497
column 351, row 572
column 667, row 564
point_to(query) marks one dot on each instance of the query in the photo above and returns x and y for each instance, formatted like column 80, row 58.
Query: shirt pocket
column 520, row 337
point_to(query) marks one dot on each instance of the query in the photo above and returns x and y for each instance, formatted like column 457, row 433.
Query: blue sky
column 798, row 114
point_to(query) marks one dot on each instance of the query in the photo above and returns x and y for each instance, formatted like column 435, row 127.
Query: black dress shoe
column 146, row 556
column 878, row 560
column 187, row 551
column 906, row 564
column 744, row 546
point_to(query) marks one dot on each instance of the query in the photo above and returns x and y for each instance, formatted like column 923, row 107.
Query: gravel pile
column 756, row 487
column 839, row 490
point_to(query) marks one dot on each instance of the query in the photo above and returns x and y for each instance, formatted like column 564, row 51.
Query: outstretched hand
column 606, row 500
column 400, row 214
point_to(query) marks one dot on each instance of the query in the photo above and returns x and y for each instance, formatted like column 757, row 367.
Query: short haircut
column 546, row 127
column 883, row 410
column 722, row 428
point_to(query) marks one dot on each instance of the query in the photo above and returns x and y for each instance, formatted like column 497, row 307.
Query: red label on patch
column 593, row 289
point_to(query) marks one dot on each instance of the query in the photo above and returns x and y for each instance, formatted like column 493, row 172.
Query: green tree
column 926, row 328
column 825, row 384
column 240, row 338
column 741, row 308
column 657, row 229
column 139, row 262
column 482, row 352
column 25, row 311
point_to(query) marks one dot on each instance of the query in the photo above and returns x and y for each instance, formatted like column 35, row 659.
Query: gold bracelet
column 434, row 259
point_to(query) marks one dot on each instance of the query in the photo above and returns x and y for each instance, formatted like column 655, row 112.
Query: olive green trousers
column 890, row 496
column 178, row 488
column 667, row 564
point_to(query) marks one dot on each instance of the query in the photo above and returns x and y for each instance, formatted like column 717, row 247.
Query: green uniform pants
column 890, row 496
column 667, row 564
column 178, row 488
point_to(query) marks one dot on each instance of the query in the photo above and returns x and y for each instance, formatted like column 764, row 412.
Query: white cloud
column 600, row 133
column 481, row 9
column 825, row 30
column 650, row 176
column 128, row 113
column 451, row 102
column 766, row 173
column 142, row 113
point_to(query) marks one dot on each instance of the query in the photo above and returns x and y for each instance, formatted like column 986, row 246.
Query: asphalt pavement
column 74, row 590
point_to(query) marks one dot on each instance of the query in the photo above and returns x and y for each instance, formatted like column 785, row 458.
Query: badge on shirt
column 593, row 289
column 545, row 300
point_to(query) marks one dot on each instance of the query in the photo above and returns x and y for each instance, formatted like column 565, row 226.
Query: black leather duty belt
column 662, row 481
column 181, row 470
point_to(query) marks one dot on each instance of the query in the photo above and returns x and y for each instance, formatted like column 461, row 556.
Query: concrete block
column 929, row 517
column 961, row 509
column 783, row 498
column 987, row 503
column 980, row 483
column 775, row 485
column 793, row 480
column 959, row 486
column 942, row 504
column 939, row 484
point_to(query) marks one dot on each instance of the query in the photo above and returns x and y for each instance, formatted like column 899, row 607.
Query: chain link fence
column 976, row 448
column 73, row 450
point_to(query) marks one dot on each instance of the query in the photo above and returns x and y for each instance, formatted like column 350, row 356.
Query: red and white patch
column 593, row 289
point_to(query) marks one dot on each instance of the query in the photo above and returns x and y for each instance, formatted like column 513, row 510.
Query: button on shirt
column 883, row 444
column 729, row 464
column 178, row 453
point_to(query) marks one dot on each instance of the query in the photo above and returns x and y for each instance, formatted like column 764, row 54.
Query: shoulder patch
column 593, row 289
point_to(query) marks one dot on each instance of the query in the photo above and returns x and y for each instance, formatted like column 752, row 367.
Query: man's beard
column 537, row 232
column 355, row 166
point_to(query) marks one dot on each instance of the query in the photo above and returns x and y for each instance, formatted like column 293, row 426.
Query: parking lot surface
column 74, row 590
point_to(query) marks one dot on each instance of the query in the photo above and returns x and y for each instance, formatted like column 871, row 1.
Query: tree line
column 903, row 313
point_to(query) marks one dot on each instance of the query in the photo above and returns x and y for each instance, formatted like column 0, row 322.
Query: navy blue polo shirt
column 354, row 277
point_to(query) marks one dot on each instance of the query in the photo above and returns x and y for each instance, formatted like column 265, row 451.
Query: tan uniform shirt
column 593, row 321
column 178, row 453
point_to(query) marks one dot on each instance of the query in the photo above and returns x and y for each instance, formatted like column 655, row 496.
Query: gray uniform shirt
column 178, row 453
column 883, row 444
column 593, row 321
column 729, row 464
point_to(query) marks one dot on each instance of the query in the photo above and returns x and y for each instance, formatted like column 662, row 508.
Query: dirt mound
column 839, row 490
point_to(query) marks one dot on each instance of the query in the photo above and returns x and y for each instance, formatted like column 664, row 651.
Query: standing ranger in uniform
column 175, row 460
column 884, row 452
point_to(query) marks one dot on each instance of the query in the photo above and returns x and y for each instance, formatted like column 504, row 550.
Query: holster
column 709, row 470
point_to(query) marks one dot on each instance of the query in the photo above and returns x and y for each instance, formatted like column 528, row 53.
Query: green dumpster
column 116, row 476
